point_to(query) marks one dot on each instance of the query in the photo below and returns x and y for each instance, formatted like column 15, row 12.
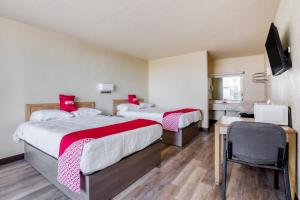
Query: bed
column 189, row 123
column 105, row 177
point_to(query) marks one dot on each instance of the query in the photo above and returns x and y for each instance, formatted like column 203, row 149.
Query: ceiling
column 151, row 29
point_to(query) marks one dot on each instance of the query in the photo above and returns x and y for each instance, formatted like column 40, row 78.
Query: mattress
column 97, row 154
column 156, row 114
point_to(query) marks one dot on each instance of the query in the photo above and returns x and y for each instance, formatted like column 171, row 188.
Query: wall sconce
column 105, row 88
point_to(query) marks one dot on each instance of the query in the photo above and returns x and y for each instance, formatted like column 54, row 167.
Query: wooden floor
column 186, row 173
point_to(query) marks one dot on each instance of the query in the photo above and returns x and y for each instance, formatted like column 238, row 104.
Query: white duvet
column 156, row 114
column 97, row 154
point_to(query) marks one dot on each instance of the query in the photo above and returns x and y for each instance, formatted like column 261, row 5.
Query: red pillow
column 133, row 99
column 67, row 103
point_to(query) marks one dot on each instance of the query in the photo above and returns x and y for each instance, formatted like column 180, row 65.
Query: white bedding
column 98, row 153
column 156, row 114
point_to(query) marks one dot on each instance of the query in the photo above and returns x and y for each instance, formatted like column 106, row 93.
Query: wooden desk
column 221, row 129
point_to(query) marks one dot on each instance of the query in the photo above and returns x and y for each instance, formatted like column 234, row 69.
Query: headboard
column 30, row 108
column 117, row 102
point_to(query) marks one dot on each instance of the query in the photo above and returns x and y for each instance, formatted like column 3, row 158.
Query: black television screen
column 279, row 60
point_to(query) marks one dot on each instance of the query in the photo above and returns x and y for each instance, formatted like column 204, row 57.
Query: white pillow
column 146, row 105
column 86, row 112
column 127, row 106
column 45, row 115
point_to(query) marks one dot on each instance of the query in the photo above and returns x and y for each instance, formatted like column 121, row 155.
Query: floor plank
column 185, row 173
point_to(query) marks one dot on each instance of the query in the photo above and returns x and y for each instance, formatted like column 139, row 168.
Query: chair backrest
column 256, row 143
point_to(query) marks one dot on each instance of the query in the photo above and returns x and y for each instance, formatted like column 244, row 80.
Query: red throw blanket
column 170, row 120
column 72, row 144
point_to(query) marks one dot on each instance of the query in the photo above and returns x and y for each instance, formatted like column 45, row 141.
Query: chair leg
column 224, row 172
column 287, row 181
column 276, row 184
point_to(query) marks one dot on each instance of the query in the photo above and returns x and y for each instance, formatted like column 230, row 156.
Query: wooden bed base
column 104, row 184
column 184, row 135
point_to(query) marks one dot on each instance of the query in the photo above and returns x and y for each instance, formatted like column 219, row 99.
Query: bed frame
column 181, row 138
column 30, row 108
column 104, row 184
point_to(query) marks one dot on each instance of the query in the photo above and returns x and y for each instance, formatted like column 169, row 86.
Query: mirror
column 227, row 88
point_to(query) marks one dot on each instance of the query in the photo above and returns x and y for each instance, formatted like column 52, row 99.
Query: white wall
column 285, row 89
column 36, row 65
column 249, row 64
column 180, row 81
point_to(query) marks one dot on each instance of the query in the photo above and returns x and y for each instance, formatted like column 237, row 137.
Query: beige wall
column 36, row 65
column 285, row 88
column 180, row 81
column 250, row 64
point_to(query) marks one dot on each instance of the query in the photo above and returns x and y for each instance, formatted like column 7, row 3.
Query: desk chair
column 258, row 145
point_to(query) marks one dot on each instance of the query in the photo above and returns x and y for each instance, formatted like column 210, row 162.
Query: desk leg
column 217, row 154
column 292, row 162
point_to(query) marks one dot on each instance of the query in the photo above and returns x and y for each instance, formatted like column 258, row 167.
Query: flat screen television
column 279, row 59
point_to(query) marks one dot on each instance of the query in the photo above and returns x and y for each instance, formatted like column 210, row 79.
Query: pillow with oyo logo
column 67, row 103
column 133, row 99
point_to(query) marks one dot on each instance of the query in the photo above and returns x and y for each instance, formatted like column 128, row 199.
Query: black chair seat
column 258, row 145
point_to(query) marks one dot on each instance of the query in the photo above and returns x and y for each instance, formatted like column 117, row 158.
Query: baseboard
column 10, row 159
column 212, row 122
column 204, row 129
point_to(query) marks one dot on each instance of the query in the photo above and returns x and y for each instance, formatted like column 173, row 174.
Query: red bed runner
column 72, row 144
column 170, row 120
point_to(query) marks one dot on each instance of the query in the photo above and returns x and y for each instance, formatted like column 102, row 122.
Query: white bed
column 156, row 114
column 97, row 154
column 188, row 127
